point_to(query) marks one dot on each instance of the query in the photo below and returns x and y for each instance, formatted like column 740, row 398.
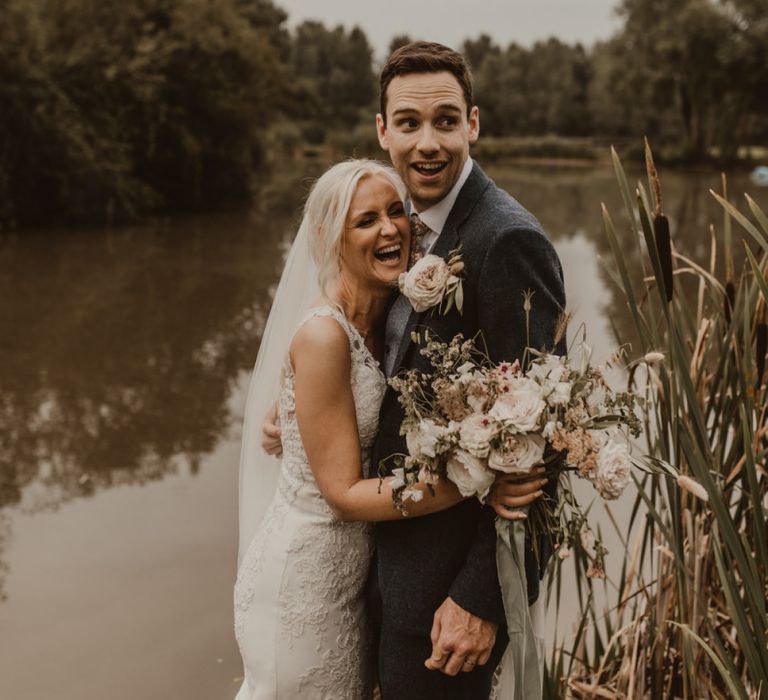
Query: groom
column 437, row 579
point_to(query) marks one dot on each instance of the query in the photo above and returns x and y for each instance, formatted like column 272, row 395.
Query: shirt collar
column 436, row 215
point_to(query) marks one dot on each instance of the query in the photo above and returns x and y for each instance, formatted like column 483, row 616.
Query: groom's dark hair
column 425, row 57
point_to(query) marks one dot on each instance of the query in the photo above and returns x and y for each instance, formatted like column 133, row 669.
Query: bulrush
column 761, row 348
column 660, row 227
column 728, row 302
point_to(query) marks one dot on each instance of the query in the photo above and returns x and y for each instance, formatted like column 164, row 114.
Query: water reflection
column 120, row 349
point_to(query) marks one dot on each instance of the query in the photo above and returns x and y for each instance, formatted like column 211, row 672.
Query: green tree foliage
column 399, row 40
column 113, row 109
column 691, row 70
column 542, row 90
column 333, row 78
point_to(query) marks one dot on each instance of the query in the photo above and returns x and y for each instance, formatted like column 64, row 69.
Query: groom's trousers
column 403, row 676
column 401, row 656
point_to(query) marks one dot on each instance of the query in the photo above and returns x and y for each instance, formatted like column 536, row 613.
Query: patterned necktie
column 418, row 230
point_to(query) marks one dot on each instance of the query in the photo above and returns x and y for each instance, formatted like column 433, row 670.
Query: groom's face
column 427, row 133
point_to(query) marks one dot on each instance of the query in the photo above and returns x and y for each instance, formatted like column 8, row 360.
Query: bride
column 299, row 609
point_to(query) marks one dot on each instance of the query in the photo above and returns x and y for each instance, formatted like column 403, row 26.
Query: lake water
column 124, row 360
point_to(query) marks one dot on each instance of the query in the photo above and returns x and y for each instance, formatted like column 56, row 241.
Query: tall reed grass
column 685, row 615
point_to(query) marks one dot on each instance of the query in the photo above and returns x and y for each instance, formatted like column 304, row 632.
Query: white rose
column 475, row 434
column 425, row 283
column 521, row 406
column 518, row 455
column 422, row 441
column 469, row 474
column 547, row 367
column 613, row 468
column 542, row 366
column 561, row 394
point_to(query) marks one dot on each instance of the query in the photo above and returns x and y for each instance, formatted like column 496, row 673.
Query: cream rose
column 521, row 406
column 518, row 454
column 611, row 475
column 422, row 441
column 425, row 283
column 547, row 368
column 475, row 434
column 469, row 474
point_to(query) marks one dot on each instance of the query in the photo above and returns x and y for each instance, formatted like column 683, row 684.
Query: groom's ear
column 381, row 132
column 474, row 124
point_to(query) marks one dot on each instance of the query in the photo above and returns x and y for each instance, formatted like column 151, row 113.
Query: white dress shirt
column 436, row 215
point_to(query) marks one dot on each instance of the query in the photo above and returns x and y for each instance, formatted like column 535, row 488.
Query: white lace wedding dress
column 299, row 597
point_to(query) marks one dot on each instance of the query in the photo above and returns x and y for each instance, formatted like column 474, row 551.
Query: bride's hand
column 271, row 434
column 511, row 492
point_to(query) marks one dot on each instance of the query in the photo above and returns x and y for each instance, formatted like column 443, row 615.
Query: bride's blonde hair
column 326, row 209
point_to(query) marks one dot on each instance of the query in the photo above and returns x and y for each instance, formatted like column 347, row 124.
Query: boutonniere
column 434, row 282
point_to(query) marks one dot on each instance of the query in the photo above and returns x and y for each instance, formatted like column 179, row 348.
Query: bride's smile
column 374, row 247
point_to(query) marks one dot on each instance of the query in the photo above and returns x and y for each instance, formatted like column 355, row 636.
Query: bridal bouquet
column 469, row 419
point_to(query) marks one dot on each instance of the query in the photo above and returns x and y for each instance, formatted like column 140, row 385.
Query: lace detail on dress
column 368, row 386
column 325, row 560
column 299, row 596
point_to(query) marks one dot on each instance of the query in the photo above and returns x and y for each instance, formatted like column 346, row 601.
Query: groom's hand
column 510, row 492
column 271, row 434
column 460, row 641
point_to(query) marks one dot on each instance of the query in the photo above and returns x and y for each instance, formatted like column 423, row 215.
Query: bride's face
column 374, row 247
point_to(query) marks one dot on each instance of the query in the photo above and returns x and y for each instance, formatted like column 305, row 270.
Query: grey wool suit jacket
column 423, row 560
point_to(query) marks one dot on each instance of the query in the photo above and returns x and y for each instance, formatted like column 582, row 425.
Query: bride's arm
column 325, row 411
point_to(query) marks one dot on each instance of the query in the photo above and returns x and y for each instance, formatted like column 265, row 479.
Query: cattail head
column 761, row 348
column 729, row 301
column 664, row 248
column 660, row 225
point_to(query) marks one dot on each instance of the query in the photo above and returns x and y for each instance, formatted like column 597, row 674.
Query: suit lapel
column 446, row 242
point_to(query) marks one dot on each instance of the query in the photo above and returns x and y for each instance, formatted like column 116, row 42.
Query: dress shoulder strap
column 335, row 313
column 329, row 311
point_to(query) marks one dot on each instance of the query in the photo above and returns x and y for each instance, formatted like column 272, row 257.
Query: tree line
column 112, row 110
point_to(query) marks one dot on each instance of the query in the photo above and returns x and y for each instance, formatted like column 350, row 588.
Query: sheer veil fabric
column 297, row 289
